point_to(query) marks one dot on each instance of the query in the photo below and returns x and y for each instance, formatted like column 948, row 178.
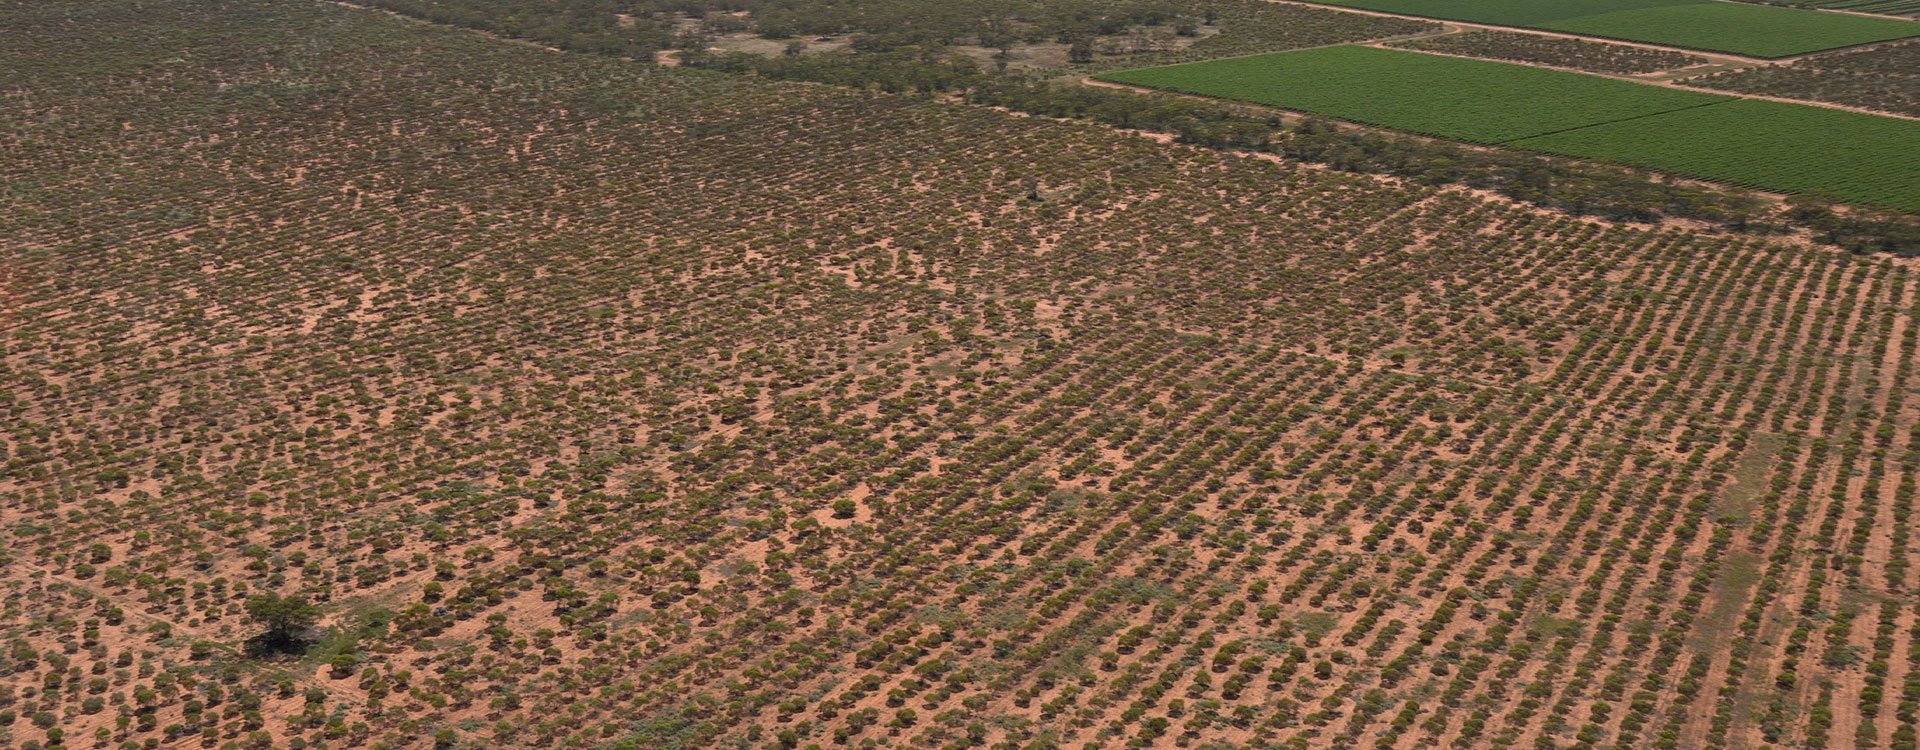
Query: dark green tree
column 286, row 618
column 1080, row 51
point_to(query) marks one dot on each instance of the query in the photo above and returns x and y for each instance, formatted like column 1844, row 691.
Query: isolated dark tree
column 1080, row 52
column 1000, row 39
column 286, row 618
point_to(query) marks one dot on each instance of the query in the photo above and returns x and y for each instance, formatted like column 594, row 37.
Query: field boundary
column 1567, row 99
column 1677, row 83
column 1865, row 186
column 1750, row 59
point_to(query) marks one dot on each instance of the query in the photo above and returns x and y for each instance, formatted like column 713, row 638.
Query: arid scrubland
column 605, row 405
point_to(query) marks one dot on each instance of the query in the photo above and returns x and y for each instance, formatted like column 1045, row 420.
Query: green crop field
column 1883, row 7
column 1469, row 100
column 1770, row 145
column 1738, row 28
column 1792, row 148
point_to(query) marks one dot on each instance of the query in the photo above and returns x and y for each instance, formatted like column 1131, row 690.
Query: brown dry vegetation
column 1556, row 51
column 603, row 405
column 1883, row 77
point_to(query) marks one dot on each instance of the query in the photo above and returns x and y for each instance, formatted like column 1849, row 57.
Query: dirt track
column 1722, row 56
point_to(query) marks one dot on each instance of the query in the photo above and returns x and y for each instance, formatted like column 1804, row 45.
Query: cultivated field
column 1784, row 147
column 1712, row 25
column 1858, row 158
column 1888, row 7
column 602, row 405
column 1470, row 100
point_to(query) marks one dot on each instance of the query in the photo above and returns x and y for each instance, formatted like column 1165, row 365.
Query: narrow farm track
column 1706, row 136
column 1668, row 83
column 1881, row 78
column 1743, row 60
column 1717, row 58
